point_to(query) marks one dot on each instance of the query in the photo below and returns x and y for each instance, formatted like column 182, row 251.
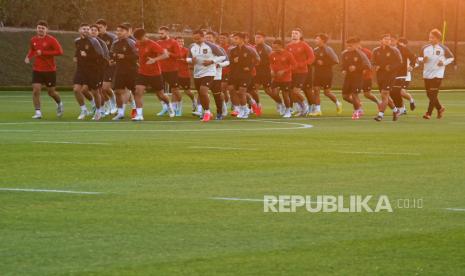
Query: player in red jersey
column 282, row 63
column 169, row 67
column 149, row 73
column 184, row 73
column 43, row 49
column 304, row 56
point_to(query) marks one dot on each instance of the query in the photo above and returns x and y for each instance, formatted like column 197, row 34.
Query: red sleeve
column 292, row 61
column 57, row 50
column 31, row 51
column 176, row 50
column 310, row 54
column 157, row 48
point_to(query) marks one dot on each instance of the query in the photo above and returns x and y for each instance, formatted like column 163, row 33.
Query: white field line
column 379, row 153
column 49, row 191
column 259, row 200
column 455, row 209
column 296, row 126
column 221, row 148
column 69, row 143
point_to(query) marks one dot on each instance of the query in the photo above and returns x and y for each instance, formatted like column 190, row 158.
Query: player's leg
column 298, row 81
column 274, row 95
column 385, row 88
column 346, row 90
column 88, row 96
column 139, row 99
column 242, row 95
column 203, row 85
column 108, row 77
column 315, row 100
column 77, row 89
column 408, row 96
column 436, row 84
column 106, row 88
column 124, row 82
column 256, row 105
column 225, row 90
column 50, row 83
column 396, row 96
column 185, row 85
column 93, row 84
column 286, row 91
column 171, row 78
column 356, row 104
column 219, row 98
column 96, row 94
column 368, row 92
column 36, row 89
column 242, row 85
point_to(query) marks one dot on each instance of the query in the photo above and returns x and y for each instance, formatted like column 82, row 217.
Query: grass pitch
column 155, row 214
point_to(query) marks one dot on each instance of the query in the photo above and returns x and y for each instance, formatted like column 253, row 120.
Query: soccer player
column 354, row 63
column 367, row 84
column 149, row 74
column 109, row 72
column 124, row 54
column 325, row 59
column 263, row 77
column 100, row 57
column 216, row 85
column 184, row 74
column 281, row 63
column 204, row 56
column 386, row 62
column 243, row 59
column 435, row 57
column 79, row 88
column 408, row 64
column 304, row 57
column 253, row 98
column 401, row 83
column 223, row 40
column 43, row 49
column 169, row 68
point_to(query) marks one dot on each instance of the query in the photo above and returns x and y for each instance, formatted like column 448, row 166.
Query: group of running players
column 115, row 70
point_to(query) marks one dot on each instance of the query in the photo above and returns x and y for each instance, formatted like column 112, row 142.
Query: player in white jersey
column 204, row 56
column 435, row 57
column 216, row 85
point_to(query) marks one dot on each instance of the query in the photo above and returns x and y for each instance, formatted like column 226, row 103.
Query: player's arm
column 367, row 65
column 411, row 58
column 344, row 64
column 162, row 54
column 175, row 51
column 397, row 62
column 448, row 55
column 332, row 55
column 131, row 52
column 422, row 58
column 374, row 60
column 190, row 58
column 30, row 53
column 310, row 55
column 56, row 50
column 292, row 63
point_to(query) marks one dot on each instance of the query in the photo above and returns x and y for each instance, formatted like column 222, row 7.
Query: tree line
column 367, row 19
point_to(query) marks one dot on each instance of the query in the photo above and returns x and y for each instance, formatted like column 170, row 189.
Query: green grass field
column 155, row 214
